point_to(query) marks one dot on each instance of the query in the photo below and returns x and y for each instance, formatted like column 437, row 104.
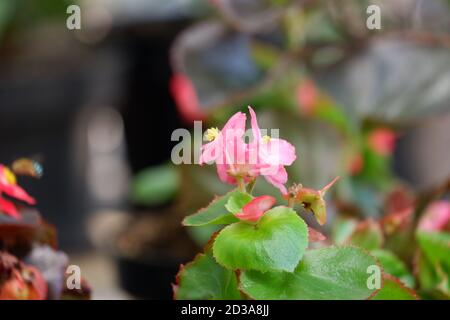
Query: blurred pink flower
column 382, row 141
column 8, row 186
column 185, row 97
column 356, row 164
column 307, row 96
column 256, row 208
column 436, row 217
column 21, row 281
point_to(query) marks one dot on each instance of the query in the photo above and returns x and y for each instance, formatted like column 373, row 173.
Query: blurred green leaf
column 202, row 234
column 155, row 185
column 394, row 266
column 434, row 261
column 265, row 56
column 7, row 9
column 436, row 246
column 342, row 229
column 393, row 289
column 367, row 235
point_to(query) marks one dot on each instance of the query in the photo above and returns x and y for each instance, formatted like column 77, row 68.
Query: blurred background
column 97, row 107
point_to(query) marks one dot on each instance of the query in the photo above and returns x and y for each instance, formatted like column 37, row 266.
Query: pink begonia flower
column 382, row 141
column 436, row 217
column 256, row 208
column 270, row 155
column 8, row 186
column 234, row 158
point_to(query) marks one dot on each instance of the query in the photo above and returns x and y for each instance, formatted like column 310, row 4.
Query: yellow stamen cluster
column 211, row 134
column 10, row 176
column 266, row 139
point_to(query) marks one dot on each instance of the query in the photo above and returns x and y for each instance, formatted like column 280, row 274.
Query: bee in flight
column 27, row 167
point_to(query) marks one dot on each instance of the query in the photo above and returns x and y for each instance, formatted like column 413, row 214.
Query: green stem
column 241, row 185
column 251, row 185
column 291, row 202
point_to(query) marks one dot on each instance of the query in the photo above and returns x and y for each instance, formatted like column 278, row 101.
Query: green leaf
column 427, row 277
column 237, row 201
column 394, row 289
column 434, row 261
column 265, row 56
column 155, row 185
column 432, row 278
column 204, row 279
column 394, row 266
column 214, row 213
column 436, row 246
column 202, row 235
column 276, row 242
column 334, row 273
column 342, row 229
column 367, row 235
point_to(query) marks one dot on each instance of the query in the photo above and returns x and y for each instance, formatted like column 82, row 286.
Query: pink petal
column 278, row 152
column 254, row 123
column 209, row 152
column 9, row 208
column 228, row 147
column 17, row 192
column 278, row 179
column 236, row 122
column 436, row 217
column 224, row 176
column 256, row 208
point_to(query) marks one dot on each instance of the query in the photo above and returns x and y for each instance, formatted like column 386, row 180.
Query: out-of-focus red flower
column 22, row 282
column 256, row 208
column 14, row 288
column 8, row 186
column 436, row 217
column 214, row 2
column 186, row 99
column 382, row 141
column 36, row 283
column 399, row 204
column 307, row 96
column 356, row 164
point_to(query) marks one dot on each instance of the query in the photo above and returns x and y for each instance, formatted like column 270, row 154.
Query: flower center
column 10, row 177
column 211, row 134
column 266, row 139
